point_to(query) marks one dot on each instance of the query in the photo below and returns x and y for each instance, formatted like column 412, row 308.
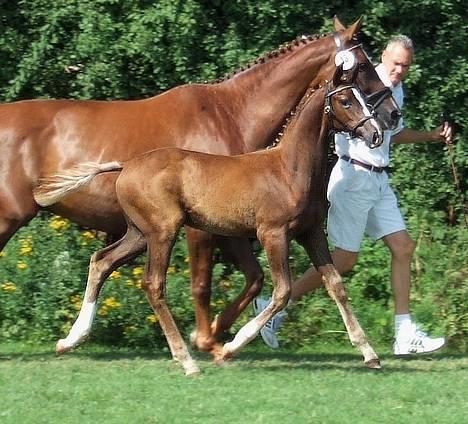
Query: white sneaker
column 416, row 341
column 268, row 332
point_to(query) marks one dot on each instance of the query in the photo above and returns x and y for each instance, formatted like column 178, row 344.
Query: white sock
column 402, row 324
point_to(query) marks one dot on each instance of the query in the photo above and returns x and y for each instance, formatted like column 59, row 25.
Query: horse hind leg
column 159, row 250
column 276, row 247
column 239, row 251
column 315, row 243
column 335, row 288
column 102, row 264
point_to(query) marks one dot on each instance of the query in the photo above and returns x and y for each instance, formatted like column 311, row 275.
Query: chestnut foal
column 274, row 195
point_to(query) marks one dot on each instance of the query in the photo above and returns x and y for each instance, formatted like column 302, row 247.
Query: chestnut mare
column 279, row 194
column 240, row 114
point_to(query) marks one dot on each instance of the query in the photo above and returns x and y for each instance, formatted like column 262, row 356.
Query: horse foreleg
column 159, row 249
column 16, row 210
column 276, row 247
column 239, row 252
column 101, row 265
column 317, row 247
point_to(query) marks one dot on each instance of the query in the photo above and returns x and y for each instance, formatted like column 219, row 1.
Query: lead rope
column 457, row 181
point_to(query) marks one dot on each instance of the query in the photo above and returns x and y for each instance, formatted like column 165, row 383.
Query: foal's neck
column 303, row 145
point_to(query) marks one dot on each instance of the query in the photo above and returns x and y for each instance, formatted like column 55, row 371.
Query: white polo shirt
column 356, row 148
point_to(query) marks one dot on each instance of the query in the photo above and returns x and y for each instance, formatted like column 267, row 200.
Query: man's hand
column 444, row 133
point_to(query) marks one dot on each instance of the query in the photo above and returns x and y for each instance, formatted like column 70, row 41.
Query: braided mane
column 282, row 49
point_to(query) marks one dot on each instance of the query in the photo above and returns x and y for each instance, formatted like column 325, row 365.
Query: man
column 361, row 201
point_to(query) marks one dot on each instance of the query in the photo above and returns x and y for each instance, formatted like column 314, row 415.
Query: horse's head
column 377, row 96
column 346, row 106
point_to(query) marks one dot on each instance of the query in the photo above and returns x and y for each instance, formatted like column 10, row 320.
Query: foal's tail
column 51, row 189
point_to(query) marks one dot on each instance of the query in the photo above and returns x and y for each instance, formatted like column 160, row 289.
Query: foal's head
column 346, row 107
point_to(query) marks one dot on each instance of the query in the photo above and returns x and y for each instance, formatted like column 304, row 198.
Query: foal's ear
column 337, row 24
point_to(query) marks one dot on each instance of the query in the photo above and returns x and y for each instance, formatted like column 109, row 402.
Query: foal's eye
column 345, row 103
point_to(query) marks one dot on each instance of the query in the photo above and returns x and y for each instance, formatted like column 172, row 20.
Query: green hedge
column 135, row 48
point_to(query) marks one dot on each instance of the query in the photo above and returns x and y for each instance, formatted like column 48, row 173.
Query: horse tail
column 51, row 189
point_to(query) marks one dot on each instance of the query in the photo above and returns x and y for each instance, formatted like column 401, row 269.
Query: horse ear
column 337, row 24
column 356, row 26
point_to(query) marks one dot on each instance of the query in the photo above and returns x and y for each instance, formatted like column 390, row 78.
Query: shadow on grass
column 250, row 358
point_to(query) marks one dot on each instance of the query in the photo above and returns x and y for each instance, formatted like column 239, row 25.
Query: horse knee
column 201, row 290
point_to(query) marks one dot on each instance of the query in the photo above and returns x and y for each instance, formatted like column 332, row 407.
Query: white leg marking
column 81, row 328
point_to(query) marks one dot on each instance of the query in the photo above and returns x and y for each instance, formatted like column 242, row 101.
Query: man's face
column 397, row 60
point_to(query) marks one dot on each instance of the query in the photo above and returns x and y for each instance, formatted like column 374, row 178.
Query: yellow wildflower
column 2, row 253
column 75, row 300
column 135, row 283
column 171, row 270
column 129, row 329
column 115, row 274
column 58, row 223
column 88, row 235
column 111, row 302
column 138, row 270
column 8, row 286
column 152, row 318
column 21, row 265
column 26, row 246
column 103, row 310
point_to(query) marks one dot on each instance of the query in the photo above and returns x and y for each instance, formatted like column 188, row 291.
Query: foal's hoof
column 192, row 371
column 373, row 364
column 219, row 356
column 227, row 353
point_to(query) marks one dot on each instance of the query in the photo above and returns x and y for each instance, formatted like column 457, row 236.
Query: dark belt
column 365, row 165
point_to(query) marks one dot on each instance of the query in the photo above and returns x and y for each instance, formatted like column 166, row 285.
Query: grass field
column 328, row 385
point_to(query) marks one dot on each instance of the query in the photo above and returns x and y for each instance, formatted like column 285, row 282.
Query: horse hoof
column 218, row 354
column 373, row 364
column 192, row 371
column 61, row 347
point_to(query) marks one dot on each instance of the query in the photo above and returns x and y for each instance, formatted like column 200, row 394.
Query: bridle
column 330, row 111
column 373, row 100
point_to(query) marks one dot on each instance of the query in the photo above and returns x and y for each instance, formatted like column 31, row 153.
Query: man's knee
column 400, row 244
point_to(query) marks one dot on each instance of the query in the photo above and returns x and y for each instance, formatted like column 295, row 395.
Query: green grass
column 328, row 385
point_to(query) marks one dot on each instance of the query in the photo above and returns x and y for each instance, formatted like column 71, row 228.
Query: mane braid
column 292, row 118
column 281, row 50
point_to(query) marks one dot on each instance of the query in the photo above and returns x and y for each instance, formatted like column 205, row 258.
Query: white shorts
column 361, row 202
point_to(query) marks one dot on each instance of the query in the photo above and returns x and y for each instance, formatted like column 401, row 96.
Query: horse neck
column 302, row 147
column 263, row 96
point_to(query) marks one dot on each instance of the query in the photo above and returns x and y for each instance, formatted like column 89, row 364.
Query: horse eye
column 345, row 103
column 362, row 66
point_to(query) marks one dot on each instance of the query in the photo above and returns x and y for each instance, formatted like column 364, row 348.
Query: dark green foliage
column 110, row 49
